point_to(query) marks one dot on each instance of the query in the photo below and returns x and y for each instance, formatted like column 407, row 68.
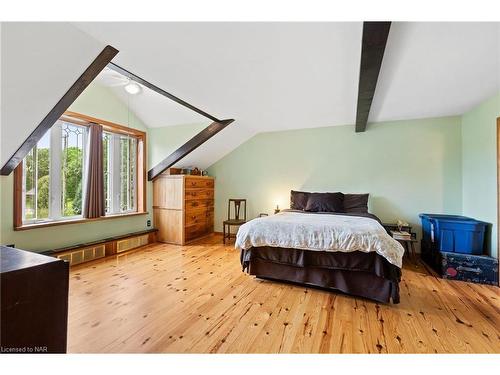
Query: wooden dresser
column 183, row 207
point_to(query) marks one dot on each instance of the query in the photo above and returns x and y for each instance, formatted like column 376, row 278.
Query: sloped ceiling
column 152, row 108
column 39, row 63
column 437, row 69
column 277, row 76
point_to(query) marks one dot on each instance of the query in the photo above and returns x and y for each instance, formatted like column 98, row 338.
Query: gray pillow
column 325, row 202
column 298, row 200
column 356, row 203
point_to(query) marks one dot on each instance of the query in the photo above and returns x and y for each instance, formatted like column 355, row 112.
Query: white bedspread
column 320, row 232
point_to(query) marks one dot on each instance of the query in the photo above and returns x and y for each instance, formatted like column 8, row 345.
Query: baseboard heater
column 87, row 252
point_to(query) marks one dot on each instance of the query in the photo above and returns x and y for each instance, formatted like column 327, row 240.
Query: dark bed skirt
column 358, row 274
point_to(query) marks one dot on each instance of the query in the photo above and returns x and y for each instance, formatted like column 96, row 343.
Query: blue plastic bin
column 453, row 233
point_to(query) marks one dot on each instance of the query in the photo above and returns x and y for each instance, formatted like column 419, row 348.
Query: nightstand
column 408, row 245
column 392, row 226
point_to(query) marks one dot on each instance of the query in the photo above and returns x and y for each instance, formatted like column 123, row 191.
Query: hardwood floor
column 177, row 299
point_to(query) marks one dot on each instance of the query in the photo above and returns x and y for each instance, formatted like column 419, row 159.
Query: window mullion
column 23, row 194
column 115, row 168
column 133, row 176
column 35, row 182
column 55, row 172
column 85, row 165
column 128, row 174
column 111, row 173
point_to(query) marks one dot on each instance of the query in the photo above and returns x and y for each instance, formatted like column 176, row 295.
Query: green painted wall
column 163, row 141
column 479, row 161
column 408, row 167
column 99, row 102
column 442, row 165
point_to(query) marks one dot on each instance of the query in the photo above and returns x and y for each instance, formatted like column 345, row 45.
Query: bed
column 347, row 252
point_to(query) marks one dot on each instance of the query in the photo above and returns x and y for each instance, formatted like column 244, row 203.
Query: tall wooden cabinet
column 183, row 207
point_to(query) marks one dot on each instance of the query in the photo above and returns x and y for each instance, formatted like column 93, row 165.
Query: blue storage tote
column 453, row 233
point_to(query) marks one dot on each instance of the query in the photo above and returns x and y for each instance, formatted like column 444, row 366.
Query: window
column 120, row 172
column 53, row 175
column 50, row 182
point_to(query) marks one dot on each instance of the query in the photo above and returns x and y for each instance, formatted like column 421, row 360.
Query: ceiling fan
column 111, row 78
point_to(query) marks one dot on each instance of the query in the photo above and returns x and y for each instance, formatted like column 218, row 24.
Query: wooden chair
column 236, row 220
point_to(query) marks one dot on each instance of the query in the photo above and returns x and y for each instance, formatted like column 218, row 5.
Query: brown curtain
column 94, row 191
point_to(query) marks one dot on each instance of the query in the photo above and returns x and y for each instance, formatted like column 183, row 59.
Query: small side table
column 408, row 245
column 392, row 226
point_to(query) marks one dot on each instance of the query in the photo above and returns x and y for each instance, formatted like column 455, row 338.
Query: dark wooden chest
column 34, row 302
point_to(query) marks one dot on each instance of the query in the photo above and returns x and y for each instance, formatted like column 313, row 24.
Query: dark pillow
column 298, row 200
column 325, row 202
column 356, row 203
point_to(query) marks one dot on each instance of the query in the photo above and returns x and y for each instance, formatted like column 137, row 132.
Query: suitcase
column 466, row 267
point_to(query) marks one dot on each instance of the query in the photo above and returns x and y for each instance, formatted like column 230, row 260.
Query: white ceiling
column 277, row 76
column 155, row 110
column 437, row 69
column 35, row 76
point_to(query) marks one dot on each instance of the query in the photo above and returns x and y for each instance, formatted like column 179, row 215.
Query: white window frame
column 55, row 181
column 55, row 165
column 114, row 172
column 35, row 187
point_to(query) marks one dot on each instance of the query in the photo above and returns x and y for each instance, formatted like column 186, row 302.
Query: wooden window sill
column 76, row 221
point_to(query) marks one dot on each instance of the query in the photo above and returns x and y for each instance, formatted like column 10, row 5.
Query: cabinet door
column 170, row 225
column 168, row 193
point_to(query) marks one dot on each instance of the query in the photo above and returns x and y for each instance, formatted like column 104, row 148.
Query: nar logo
column 24, row 349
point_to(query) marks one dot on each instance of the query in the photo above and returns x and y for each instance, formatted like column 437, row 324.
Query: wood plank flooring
column 195, row 299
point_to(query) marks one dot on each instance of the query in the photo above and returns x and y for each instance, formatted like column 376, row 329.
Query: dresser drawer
column 199, row 216
column 197, row 230
column 199, row 194
column 196, row 204
column 199, row 183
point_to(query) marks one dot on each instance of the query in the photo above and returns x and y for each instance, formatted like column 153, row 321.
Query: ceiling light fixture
column 132, row 88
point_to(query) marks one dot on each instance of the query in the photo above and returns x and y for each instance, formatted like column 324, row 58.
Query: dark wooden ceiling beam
column 99, row 63
column 195, row 142
column 160, row 91
column 375, row 36
column 188, row 147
